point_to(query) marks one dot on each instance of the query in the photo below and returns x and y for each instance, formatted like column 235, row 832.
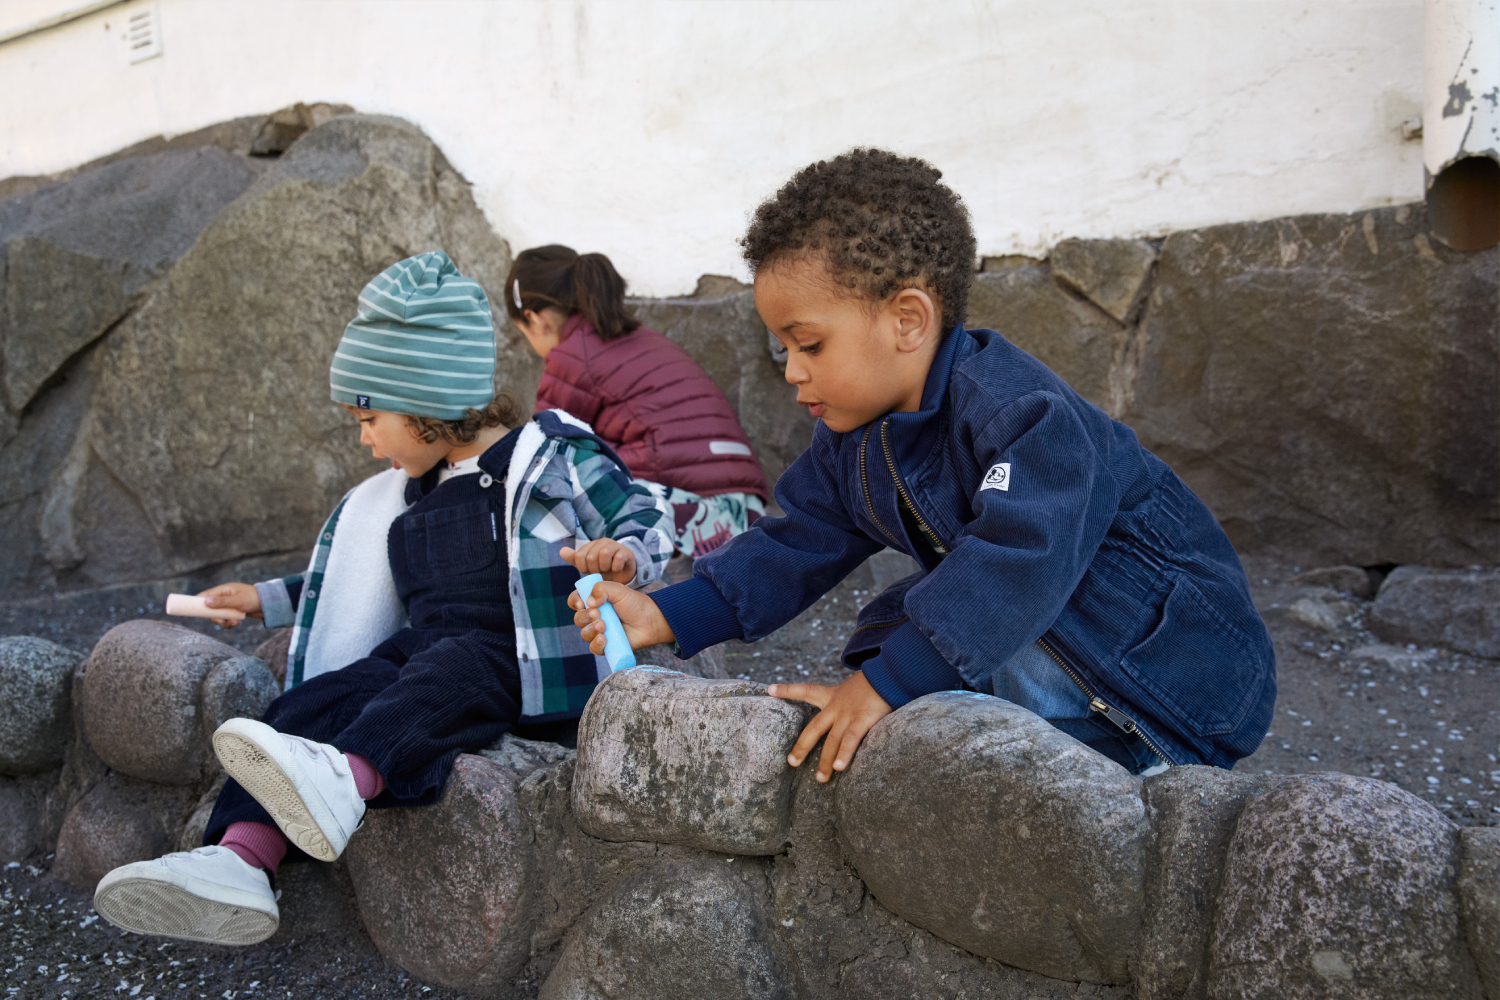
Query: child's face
column 389, row 436
column 852, row 361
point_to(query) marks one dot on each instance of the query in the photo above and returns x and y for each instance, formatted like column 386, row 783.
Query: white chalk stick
column 186, row 606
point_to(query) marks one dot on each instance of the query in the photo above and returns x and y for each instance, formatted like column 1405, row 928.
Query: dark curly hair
column 880, row 222
column 502, row 411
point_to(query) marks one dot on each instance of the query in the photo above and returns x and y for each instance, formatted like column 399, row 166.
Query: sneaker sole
column 166, row 904
column 262, row 775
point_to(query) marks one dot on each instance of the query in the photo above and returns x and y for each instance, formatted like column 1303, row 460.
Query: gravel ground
column 1428, row 720
column 58, row 947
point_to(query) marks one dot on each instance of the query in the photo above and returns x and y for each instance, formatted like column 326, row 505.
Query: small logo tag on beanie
column 363, row 402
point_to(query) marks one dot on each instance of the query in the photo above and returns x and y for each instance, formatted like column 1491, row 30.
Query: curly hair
column 502, row 411
column 880, row 222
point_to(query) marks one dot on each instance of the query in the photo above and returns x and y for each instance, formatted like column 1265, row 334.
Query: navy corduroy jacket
column 1035, row 517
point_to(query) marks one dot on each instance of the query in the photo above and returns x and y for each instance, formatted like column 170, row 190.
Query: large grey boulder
column 1459, row 609
column 1340, row 887
column 975, row 819
column 1192, row 811
column 36, row 704
column 698, row 928
column 1479, row 899
column 125, row 468
column 846, row 946
column 445, row 890
column 142, row 710
column 76, row 254
column 1329, row 385
column 682, row 760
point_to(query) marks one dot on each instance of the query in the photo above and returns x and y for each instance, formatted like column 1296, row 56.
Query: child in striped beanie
column 414, row 637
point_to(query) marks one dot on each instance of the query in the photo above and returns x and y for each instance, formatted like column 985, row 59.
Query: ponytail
column 557, row 277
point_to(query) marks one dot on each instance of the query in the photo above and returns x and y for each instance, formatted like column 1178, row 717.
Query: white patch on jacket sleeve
column 998, row 478
column 728, row 448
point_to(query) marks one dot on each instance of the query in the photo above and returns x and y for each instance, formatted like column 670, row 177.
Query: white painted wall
column 649, row 129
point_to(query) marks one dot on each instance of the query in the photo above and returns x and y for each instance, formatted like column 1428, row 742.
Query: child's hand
column 848, row 713
column 605, row 556
column 234, row 596
column 644, row 623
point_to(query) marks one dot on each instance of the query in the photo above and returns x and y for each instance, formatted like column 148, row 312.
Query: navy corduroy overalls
column 446, row 684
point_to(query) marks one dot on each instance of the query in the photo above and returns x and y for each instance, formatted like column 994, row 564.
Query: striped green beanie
column 422, row 343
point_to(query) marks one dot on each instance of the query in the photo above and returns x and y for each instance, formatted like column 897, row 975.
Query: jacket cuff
column 276, row 604
column 698, row 615
column 646, row 569
column 909, row 666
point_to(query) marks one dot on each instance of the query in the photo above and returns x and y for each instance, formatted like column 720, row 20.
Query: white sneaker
column 307, row 787
column 210, row 894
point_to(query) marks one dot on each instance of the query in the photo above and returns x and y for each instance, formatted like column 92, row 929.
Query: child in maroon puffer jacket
column 639, row 391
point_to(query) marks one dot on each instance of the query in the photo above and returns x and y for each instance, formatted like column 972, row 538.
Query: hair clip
column 516, row 293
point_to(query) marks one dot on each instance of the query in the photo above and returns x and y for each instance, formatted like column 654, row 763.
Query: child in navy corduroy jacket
column 1064, row 567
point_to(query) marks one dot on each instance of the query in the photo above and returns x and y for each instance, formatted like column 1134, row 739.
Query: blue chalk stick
column 617, row 649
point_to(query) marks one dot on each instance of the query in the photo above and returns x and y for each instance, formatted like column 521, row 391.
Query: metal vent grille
column 142, row 33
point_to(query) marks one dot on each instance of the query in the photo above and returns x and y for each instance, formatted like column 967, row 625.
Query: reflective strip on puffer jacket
column 651, row 401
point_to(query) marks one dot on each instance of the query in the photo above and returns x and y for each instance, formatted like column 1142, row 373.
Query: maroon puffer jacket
column 649, row 399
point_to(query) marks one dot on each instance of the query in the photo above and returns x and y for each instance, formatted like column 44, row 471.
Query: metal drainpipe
column 1461, row 121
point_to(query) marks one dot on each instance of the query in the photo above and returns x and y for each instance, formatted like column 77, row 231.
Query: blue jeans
column 1033, row 680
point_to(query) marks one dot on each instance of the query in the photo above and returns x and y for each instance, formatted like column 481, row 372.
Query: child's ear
column 916, row 316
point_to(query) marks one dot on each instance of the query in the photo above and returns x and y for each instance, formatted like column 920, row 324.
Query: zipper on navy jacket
column 891, row 624
column 1098, row 704
column 865, row 483
column 932, row 538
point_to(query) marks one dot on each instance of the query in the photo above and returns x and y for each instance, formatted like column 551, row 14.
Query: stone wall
column 1330, row 385
column 971, row 849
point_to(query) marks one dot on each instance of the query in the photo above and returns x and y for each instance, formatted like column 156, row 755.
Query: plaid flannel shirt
column 564, row 487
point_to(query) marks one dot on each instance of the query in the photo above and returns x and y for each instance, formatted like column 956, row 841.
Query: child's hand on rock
column 604, row 556
column 235, row 597
column 644, row 623
column 848, row 712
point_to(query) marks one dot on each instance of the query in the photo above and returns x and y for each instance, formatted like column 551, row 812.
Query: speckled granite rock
column 1340, row 887
column 682, row 760
column 1193, row 811
column 36, row 707
column 445, row 890
column 142, row 712
column 975, row 819
column 1479, row 899
column 697, row 928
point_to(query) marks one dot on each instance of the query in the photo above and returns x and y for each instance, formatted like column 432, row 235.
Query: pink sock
column 366, row 778
column 259, row 845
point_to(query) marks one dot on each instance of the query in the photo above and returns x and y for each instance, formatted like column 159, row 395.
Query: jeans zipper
column 890, row 460
column 1097, row 704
